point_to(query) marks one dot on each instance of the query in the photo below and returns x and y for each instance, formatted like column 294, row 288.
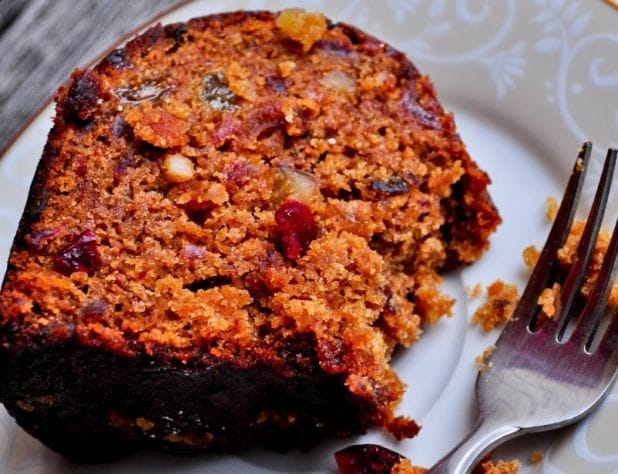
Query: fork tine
column 597, row 300
column 584, row 251
column 609, row 344
column 555, row 240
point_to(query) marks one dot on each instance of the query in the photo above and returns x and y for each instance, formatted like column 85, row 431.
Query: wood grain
column 42, row 41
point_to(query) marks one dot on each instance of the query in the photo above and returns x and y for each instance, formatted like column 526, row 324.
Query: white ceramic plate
column 528, row 80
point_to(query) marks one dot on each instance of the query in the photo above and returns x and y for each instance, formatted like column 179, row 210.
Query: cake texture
column 234, row 223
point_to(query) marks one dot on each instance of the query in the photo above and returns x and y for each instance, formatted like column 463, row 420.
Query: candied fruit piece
column 216, row 92
column 301, row 26
column 296, row 228
column 340, row 81
column 81, row 255
column 366, row 459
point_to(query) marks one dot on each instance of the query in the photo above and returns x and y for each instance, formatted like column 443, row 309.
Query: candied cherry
column 366, row 459
column 296, row 228
column 81, row 255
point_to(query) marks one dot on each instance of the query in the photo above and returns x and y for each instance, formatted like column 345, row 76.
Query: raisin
column 393, row 185
column 81, row 255
column 366, row 459
column 83, row 97
column 177, row 33
column 117, row 59
column 296, row 228
column 217, row 94
column 148, row 90
column 276, row 83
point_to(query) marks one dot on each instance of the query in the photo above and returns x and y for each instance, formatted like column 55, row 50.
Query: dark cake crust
column 93, row 395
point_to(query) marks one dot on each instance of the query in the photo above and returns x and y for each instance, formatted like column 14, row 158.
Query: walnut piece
column 178, row 168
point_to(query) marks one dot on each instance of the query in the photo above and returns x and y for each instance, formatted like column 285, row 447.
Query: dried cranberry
column 81, row 255
column 366, row 459
column 296, row 228
column 394, row 185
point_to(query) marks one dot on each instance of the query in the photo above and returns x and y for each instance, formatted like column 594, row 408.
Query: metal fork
column 547, row 375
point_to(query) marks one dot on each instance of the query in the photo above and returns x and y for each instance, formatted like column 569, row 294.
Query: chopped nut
column 552, row 208
column 296, row 184
column 301, row 26
column 178, row 168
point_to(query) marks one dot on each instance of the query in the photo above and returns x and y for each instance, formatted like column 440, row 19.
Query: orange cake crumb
column 536, row 457
column 405, row 466
column 475, row 291
column 549, row 299
column 499, row 307
column 500, row 467
column 551, row 209
column 482, row 361
column 531, row 255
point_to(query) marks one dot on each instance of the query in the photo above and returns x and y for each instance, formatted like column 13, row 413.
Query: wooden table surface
column 42, row 41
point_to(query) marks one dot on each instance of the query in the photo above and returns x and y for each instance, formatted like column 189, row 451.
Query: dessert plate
column 528, row 81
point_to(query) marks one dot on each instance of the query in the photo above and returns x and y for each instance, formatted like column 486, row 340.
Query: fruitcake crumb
column 285, row 68
column 499, row 307
column 579, row 165
column 500, row 467
column 475, row 291
column 482, row 360
column 548, row 300
column 531, row 255
column 551, row 209
column 405, row 466
column 144, row 424
column 536, row 457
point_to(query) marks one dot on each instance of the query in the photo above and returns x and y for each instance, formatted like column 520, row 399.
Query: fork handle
column 467, row 453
